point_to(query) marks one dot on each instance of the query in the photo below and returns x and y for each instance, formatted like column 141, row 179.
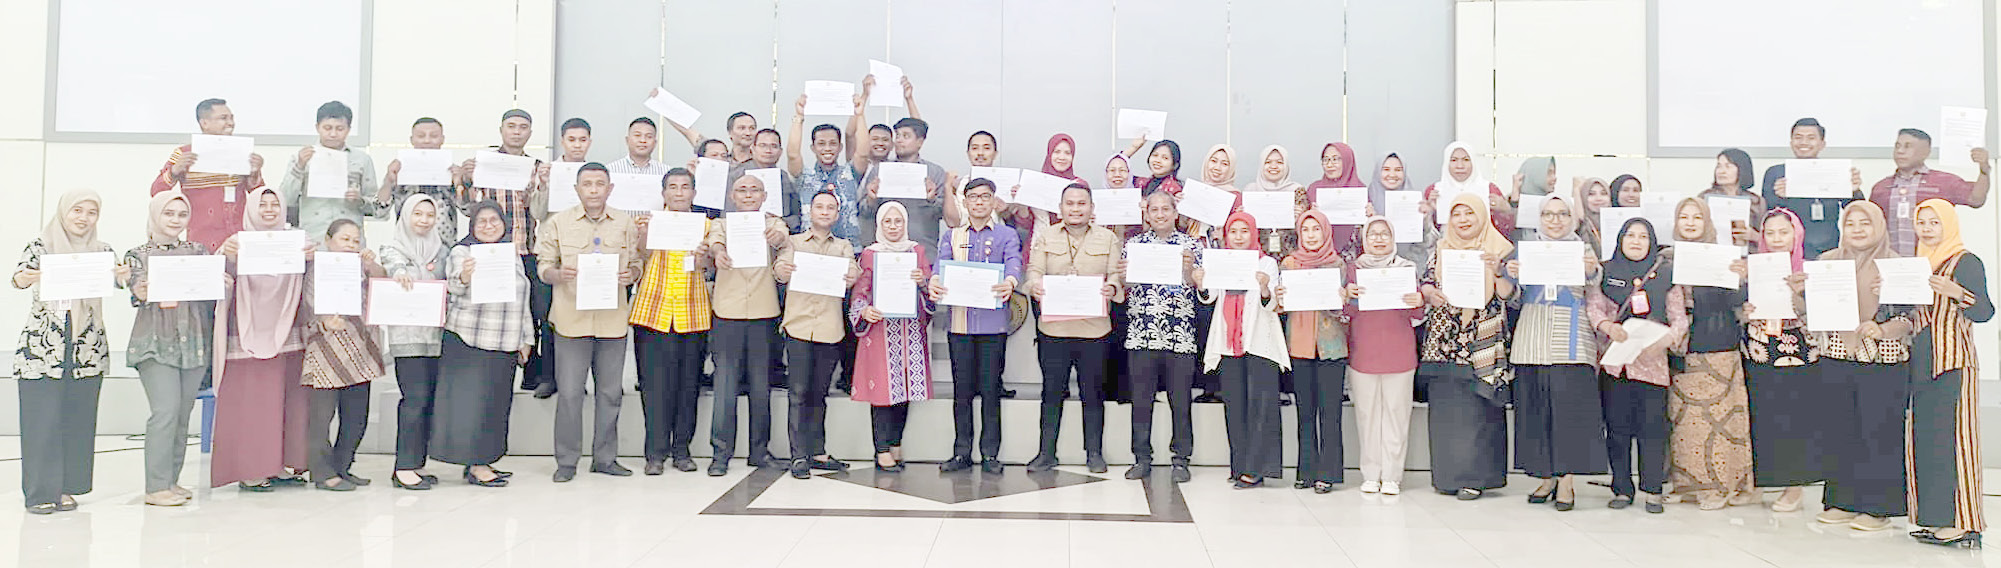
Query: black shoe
column 265, row 488
column 654, row 467
column 428, row 477
column 1967, row 539
column 991, row 466
column 1181, row 473
column 287, row 480
column 564, row 474
column 1620, row 501
column 893, row 467
column 1208, row 398
column 1655, row 507
column 1095, row 462
column 497, row 481
column 1247, row 481
column 422, row 484
column 545, row 390
column 828, row 464
column 328, row 486
column 1469, row 494
column 802, row 469
column 612, row 469
column 718, row 468
column 1535, row 499
column 1042, row 463
column 361, row 481
column 955, row 464
column 762, row 460
column 1323, row 487
column 684, row 464
column 1139, row 471
column 1563, row 506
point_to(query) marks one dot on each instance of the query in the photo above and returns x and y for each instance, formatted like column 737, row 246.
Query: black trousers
column 1209, row 381
column 887, row 425
column 742, row 353
column 670, row 372
column 1152, row 370
column 976, row 372
column 1320, row 384
column 812, row 372
column 1250, row 412
column 417, row 381
column 331, row 458
column 1060, row 355
column 541, row 368
column 1635, row 413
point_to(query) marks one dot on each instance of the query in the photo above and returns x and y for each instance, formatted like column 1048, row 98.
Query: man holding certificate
column 1160, row 336
column 573, row 246
column 670, row 333
column 816, row 263
column 428, row 156
column 352, row 170
column 746, row 308
column 977, row 334
column 216, row 197
column 1913, row 183
column 525, row 208
column 1075, row 329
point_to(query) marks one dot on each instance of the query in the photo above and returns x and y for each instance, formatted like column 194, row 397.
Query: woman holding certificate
column 1163, row 169
column 1464, row 354
column 1634, row 293
column 1461, row 176
column 169, row 347
column 260, row 405
column 1708, row 407
column 483, row 344
column 1275, row 175
column 417, row 253
column 1558, row 414
column 1247, row 347
column 1868, row 376
column 1382, row 360
column 1318, row 343
column 893, row 355
column 343, row 357
column 1944, row 458
column 1785, row 386
column 61, row 362
column 1339, row 169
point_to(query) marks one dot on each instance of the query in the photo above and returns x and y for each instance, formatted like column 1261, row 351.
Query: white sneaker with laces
column 1371, row 486
column 1392, row 488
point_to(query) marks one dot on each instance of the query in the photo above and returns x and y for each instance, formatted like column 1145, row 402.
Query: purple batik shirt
column 996, row 243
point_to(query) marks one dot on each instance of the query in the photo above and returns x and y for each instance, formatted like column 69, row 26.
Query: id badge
column 1640, row 307
column 229, row 194
column 1904, row 209
column 1819, row 211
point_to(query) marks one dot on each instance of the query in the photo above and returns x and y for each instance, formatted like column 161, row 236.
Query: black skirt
column 1469, row 432
column 1789, row 410
column 474, row 398
column 1559, row 421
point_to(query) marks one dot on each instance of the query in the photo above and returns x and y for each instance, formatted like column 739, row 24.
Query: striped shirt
column 525, row 209
column 625, row 166
column 670, row 299
column 1554, row 328
column 501, row 327
column 1952, row 340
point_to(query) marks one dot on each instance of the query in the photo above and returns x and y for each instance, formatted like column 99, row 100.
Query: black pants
column 417, row 381
column 541, row 368
column 1152, row 370
column 332, row 458
column 976, row 372
column 1250, row 413
column 1208, row 381
column 1320, row 384
column 887, row 424
column 812, row 372
column 1118, row 379
column 1635, row 412
column 670, row 368
column 1059, row 355
column 742, row 352
column 58, row 437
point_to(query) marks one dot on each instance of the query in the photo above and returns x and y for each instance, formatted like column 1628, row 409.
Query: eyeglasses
column 1555, row 214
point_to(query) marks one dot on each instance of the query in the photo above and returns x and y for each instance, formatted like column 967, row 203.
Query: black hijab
column 1650, row 272
column 506, row 225
column 1173, row 172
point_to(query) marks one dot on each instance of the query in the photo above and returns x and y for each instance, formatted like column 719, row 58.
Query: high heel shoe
column 893, row 467
column 1968, row 539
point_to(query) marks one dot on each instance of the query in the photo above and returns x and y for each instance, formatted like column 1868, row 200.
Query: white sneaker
column 1392, row 488
column 1371, row 486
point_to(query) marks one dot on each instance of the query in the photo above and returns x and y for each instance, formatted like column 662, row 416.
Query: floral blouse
column 1783, row 345
column 52, row 346
column 1161, row 317
column 181, row 336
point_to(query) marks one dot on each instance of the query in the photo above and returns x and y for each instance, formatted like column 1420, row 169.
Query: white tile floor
column 599, row 521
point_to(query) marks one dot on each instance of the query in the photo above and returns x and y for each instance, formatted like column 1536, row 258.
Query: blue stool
column 207, row 398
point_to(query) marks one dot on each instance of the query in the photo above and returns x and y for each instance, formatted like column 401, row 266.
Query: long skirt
column 1788, row 419
column 1943, row 458
column 1709, row 428
column 1469, row 432
column 1865, row 446
column 260, row 419
column 474, row 398
column 1559, row 421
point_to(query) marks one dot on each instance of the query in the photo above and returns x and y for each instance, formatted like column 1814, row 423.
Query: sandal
column 42, row 509
column 66, row 503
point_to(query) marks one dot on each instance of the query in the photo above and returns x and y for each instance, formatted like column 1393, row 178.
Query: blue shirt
column 841, row 180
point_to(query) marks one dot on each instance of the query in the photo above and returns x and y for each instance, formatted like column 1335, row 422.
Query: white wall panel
column 1473, row 85
column 952, row 54
column 465, row 86
column 1286, row 82
column 597, row 36
column 1570, row 77
column 1058, row 86
column 24, row 37
column 720, row 73
column 1400, row 94
column 1173, row 57
column 535, row 61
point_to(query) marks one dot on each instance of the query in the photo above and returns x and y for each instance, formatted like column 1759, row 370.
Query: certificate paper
column 1659, row 209
column 1343, row 205
column 221, row 154
column 184, row 278
column 1271, row 209
column 970, row 284
column 76, row 276
column 1906, row 281
column 1768, row 294
column 902, row 180
column 712, row 182
column 1153, row 263
column 1462, row 276
column 1004, row 180
column 676, row 230
column 895, row 293
column 1206, row 203
column 326, row 174
column 494, row 170
column 424, row 167
column 597, row 281
column 1385, row 288
column 888, row 91
column 1311, row 290
column 1142, row 124
column 673, row 108
column 1073, row 296
column 1704, row 264
column 1528, row 215
column 774, row 190
column 819, row 274
column 1824, row 178
column 1641, row 333
column 743, row 235
column 270, row 252
column 337, row 283
column 1404, row 210
column 1723, row 211
column 1116, row 206
column 493, row 279
column 833, row 98
column 1960, row 130
column 1230, row 269
column 563, row 185
column 1041, row 191
column 636, row 192
column 1551, row 263
column 1611, row 223
column 423, row 305
column 1830, row 295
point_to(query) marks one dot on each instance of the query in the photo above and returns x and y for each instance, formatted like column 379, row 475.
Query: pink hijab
column 266, row 306
column 1049, row 163
column 1799, row 236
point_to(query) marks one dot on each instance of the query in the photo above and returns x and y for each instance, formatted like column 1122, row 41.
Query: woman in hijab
column 61, row 364
column 1732, row 179
column 1275, row 174
column 1596, row 197
column 483, row 343
column 1536, row 176
column 1318, row 342
column 1459, row 175
column 1382, row 361
column 1219, row 167
column 1868, row 376
column 1247, row 347
column 1119, row 173
column 1163, row 167
column 1558, row 414
column 1626, row 190
column 1059, row 160
column 1464, row 358
column 1391, row 176
column 1943, row 457
column 892, row 357
column 417, row 253
column 261, row 407
column 1782, row 381
column 1337, row 169
column 1712, row 450
column 170, row 348
column 1635, row 285
column 343, row 357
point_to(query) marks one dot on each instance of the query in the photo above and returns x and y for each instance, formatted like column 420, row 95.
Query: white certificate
column 494, row 170
column 888, row 91
column 77, row 276
column 1230, row 269
column 597, row 281
column 221, row 154
column 1441, row 205
column 712, row 183
column 895, row 293
column 1311, row 290
column 1154, row 263
column 1723, row 211
column 337, row 283
column 493, row 279
column 1116, row 206
column 1041, row 191
column 970, row 284
column 1641, row 333
column 1551, row 263
column 1462, row 276
column 1659, row 208
column 1830, row 295
column 1906, row 281
column 743, row 237
column 1528, row 214
column 1271, row 209
column 1142, row 124
column 270, row 252
column 672, row 108
column 676, row 230
column 1004, row 180
column 902, row 180
column 1406, row 214
column 833, row 98
column 1768, row 294
column 819, row 274
column 1385, row 288
column 1612, row 223
column 1825, row 178
column 1344, row 205
column 1960, row 130
column 1073, row 296
column 563, row 185
column 1206, row 203
column 423, row 167
column 326, row 173
column 774, row 190
column 184, row 278
column 1705, row 264
column 636, row 192
column 423, row 305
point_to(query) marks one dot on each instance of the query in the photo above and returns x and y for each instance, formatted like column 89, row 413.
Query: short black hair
column 760, row 133
column 883, row 127
column 1080, row 185
column 739, row 114
column 426, row 120
column 979, row 182
column 336, row 225
column 575, row 123
column 642, row 120
column 989, row 135
column 202, row 108
column 1809, row 121
column 683, row 172
column 334, row 109
column 916, row 125
column 824, row 127
column 705, row 144
column 594, row 167
column 826, row 192
column 1915, row 133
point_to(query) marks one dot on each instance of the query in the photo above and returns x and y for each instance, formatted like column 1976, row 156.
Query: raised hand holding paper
column 1768, row 294
column 1206, row 203
column 1906, row 281
column 1725, row 212
column 676, row 230
column 424, row 167
column 819, row 274
column 493, row 274
column 1821, row 178
column 1523, row 220
column 1272, row 209
column 1406, row 214
column 596, row 286
column 1151, row 263
column 888, row 91
column 1115, row 206
column 1551, row 263
column 774, row 190
column 1385, row 288
column 563, row 185
column 743, row 237
column 76, row 276
column 508, row 172
column 673, row 108
column 636, row 192
column 1073, row 296
column 831, row 98
column 326, row 174
column 1343, row 205
column 1041, row 191
column 1831, row 296
column 1705, row 264
column 1960, row 130
column 221, row 154
column 1142, row 124
column 970, row 284
column 902, row 180
column 1610, row 221
column 1462, row 276
column 895, row 293
column 1230, row 269
column 712, row 184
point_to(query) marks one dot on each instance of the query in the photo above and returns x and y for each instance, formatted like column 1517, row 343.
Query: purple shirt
column 997, row 243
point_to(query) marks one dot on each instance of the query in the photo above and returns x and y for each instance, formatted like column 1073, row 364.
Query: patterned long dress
column 1708, row 409
column 893, row 356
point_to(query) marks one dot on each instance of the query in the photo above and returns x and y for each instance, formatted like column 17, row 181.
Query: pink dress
column 892, row 356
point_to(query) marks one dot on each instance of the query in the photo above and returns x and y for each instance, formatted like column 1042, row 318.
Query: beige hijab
column 58, row 240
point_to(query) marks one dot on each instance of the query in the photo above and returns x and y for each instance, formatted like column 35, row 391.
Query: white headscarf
column 1474, row 182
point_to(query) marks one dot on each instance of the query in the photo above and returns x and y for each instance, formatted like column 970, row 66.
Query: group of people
column 1723, row 404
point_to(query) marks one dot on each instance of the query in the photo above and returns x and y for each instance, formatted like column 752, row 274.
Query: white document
column 774, row 190
column 1767, row 292
column 1641, row 333
column 636, row 192
column 1385, row 288
column 1344, row 205
column 1311, row 290
column 1442, row 206
column 1611, row 227
column 494, row 170
column 270, row 252
column 833, row 98
column 337, row 283
column 902, row 180
column 424, row 167
column 1462, row 276
column 77, row 276
column 597, row 281
column 1142, row 124
column 1551, row 263
column 1723, row 211
column 1206, row 203
column 1004, row 180
column 1823, row 178
column 712, row 183
column 1041, row 191
column 1116, row 206
column 676, row 230
column 423, row 305
column 1406, row 214
column 1830, row 295
column 743, row 237
column 819, row 274
column 895, row 293
column 1528, row 214
column 221, row 154
column 326, row 173
column 493, row 274
column 563, row 185
column 1154, row 263
column 1659, row 208
column 1960, row 130
column 970, row 284
column 888, row 91
column 184, row 278
column 673, row 108
column 1230, row 269
column 1073, row 296
column 1705, row 264
column 1906, row 281
column 1271, row 209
